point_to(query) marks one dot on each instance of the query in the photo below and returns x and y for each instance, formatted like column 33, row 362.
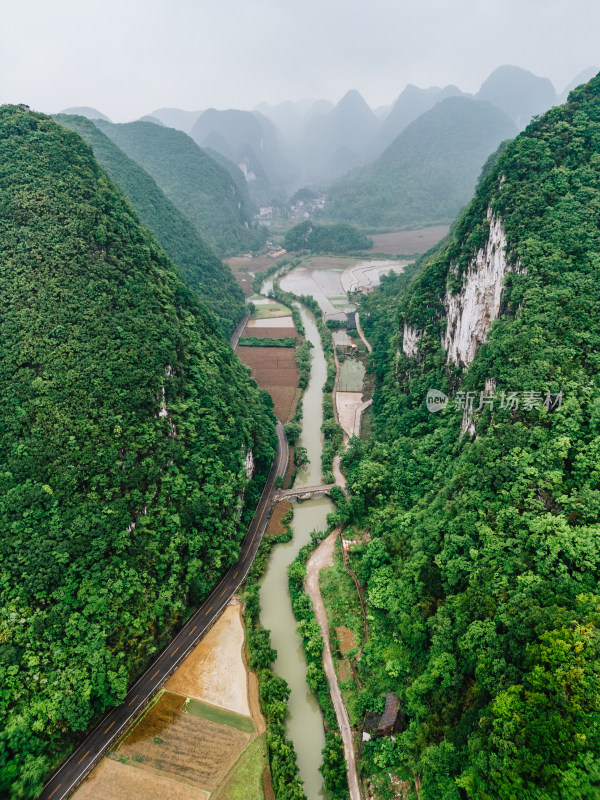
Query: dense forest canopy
column 200, row 188
column 200, row 266
column 326, row 238
column 483, row 568
column 127, row 420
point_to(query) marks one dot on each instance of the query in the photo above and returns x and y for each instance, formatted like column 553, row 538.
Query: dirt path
column 323, row 557
column 336, row 468
column 361, row 334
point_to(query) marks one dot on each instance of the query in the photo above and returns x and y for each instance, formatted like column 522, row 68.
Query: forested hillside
column 429, row 171
column 325, row 238
column 200, row 266
column 483, row 568
column 200, row 188
column 127, row 421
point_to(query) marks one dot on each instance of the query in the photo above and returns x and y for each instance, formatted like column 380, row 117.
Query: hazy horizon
column 129, row 58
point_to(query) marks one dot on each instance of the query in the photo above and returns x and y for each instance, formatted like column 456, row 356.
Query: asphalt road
column 72, row 771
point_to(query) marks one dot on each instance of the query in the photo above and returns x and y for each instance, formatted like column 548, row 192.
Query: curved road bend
column 235, row 336
column 72, row 771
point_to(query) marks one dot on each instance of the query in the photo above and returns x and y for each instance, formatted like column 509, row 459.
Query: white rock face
column 249, row 464
column 410, row 340
column 471, row 312
column 247, row 170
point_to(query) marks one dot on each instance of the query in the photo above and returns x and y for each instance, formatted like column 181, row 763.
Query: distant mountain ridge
column 427, row 173
column 200, row 188
column 252, row 142
column 86, row 111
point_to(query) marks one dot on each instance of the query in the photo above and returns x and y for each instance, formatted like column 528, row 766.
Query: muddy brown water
column 304, row 724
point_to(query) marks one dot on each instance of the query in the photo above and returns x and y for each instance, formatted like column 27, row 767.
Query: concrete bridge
column 304, row 492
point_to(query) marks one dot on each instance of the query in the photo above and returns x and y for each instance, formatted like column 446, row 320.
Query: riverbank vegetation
column 333, row 767
column 273, row 341
column 274, row 691
column 127, row 422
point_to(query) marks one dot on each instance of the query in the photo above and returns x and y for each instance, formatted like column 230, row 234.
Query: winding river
column 304, row 723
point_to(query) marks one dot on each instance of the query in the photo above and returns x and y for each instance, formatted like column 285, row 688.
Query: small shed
column 351, row 326
column 391, row 721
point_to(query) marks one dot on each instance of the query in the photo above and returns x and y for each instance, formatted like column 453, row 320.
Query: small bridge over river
column 304, row 492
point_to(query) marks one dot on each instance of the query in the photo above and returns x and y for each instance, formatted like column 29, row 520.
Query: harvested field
column 408, row 242
column 346, row 639
column 245, row 281
column 112, row 780
column 274, row 528
column 274, row 369
column 193, row 750
column 259, row 264
column 267, row 324
column 269, row 333
column 215, row 672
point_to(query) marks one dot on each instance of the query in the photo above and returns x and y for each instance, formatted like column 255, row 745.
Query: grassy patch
column 269, row 310
column 245, row 779
column 220, row 716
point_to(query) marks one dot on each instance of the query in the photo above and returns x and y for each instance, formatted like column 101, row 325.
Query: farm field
column 274, row 369
column 203, row 737
column 269, row 310
column 214, row 671
column 402, row 243
column 352, row 374
column 245, row 781
column 244, row 270
column 274, row 528
column 112, row 780
column 172, row 742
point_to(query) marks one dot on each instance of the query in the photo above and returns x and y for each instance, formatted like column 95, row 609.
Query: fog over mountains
column 359, row 155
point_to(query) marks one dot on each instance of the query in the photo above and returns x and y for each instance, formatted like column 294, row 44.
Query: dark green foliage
column 428, row 173
column 200, row 188
column 325, row 238
column 303, row 363
column 483, row 568
column 257, row 341
column 293, row 431
column 201, row 268
column 126, row 422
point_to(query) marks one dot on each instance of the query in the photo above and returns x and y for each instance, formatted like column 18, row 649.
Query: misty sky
column 128, row 57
